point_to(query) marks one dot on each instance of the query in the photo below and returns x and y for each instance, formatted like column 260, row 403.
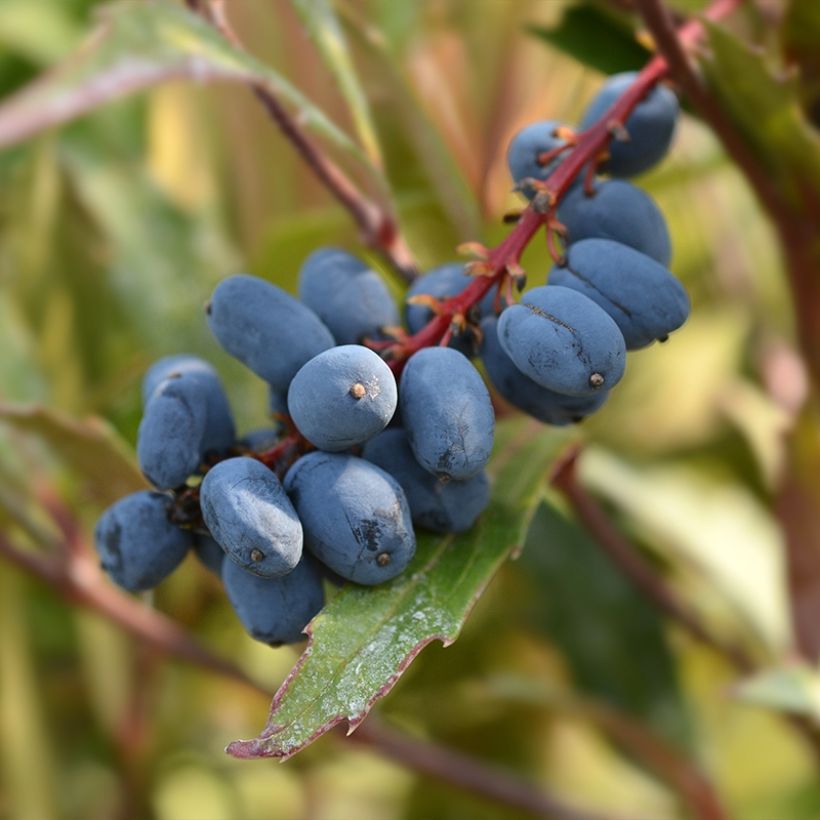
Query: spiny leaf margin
column 365, row 638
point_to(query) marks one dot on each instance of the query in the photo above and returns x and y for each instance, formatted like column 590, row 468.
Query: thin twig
column 680, row 69
column 627, row 558
column 78, row 580
column 470, row 775
column 376, row 223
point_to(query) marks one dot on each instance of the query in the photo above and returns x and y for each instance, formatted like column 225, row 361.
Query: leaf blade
column 90, row 447
column 321, row 22
column 365, row 638
column 137, row 46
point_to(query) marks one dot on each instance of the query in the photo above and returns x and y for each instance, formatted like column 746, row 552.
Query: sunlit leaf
column 716, row 527
column 323, row 25
column 138, row 45
column 597, row 38
column 794, row 688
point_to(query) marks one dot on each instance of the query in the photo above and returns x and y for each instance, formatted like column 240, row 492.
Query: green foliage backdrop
column 114, row 229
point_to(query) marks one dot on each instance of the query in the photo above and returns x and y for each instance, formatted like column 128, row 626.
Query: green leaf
column 365, row 638
column 597, row 38
column 801, row 36
column 321, row 21
column 587, row 608
column 766, row 108
column 794, row 688
column 141, row 44
column 90, row 448
column 710, row 525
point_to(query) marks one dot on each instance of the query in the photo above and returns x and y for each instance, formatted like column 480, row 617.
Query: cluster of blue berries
column 558, row 353
column 358, row 458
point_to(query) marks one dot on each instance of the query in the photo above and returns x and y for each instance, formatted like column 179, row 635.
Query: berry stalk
column 588, row 148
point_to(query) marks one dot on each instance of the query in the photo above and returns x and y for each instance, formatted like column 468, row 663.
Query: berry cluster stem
column 589, row 146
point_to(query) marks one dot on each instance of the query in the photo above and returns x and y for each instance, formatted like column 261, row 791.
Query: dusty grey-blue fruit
column 275, row 610
column 650, row 126
column 355, row 516
column 619, row 211
column 248, row 513
column 563, row 341
column 265, row 328
column 519, row 390
column 435, row 504
column 342, row 397
column 447, row 413
column 137, row 543
column 644, row 299
column 348, row 296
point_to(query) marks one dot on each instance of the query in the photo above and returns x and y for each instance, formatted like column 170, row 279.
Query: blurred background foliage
column 114, row 230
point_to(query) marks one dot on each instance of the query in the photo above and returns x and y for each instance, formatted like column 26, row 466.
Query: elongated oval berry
column 447, row 413
column 650, row 126
column 563, row 341
column 170, row 439
column 265, row 328
column 355, row 516
column 342, row 397
column 203, row 385
column 646, row 301
column 435, row 504
column 173, row 365
column 350, row 298
column 249, row 515
column 526, row 147
column 522, row 392
column 137, row 543
column 619, row 211
column 275, row 610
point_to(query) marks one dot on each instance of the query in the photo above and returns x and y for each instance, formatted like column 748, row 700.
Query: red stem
column 589, row 146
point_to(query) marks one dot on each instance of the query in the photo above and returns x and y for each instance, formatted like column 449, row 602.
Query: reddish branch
column 633, row 565
column 583, row 155
column 376, row 222
column 638, row 571
column 76, row 577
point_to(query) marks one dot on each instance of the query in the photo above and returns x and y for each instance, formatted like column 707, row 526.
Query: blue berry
column 275, row 610
column 209, row 553
column 173, row 365
column 170, row 439
column 620, row 211
column 350, row 298
column 651, row 125
column 522, row 392
column 355, row 516
column 644, row 299
column 446, row 410
column 265, row 328
column 137, row 543
column 342, row 397
column 525, row 148
column 249, row 515
column 201, row 384
column 437, row 505
column 563, row 341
